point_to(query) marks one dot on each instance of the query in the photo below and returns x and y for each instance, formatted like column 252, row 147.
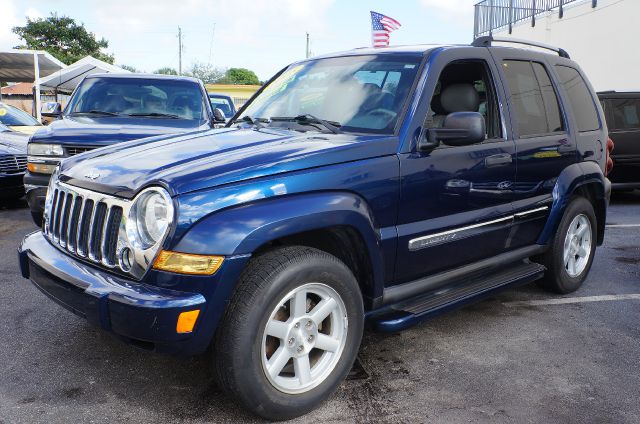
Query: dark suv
column 622, row 110
column 112, row 108
column 375, row 185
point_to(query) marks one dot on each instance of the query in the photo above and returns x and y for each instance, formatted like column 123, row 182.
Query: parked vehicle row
column 375, row 185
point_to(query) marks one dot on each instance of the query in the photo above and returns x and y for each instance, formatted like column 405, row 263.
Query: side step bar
column 397, row 293
column 406, row 313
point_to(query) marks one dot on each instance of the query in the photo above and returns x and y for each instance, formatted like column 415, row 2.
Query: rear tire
column 570, row 256
column 291, row 332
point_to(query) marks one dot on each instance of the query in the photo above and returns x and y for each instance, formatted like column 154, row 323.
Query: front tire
column 570, row 256
column 290, row 333
column 37, row 218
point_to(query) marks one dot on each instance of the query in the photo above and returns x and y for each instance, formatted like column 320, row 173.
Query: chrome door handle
column 498, row 160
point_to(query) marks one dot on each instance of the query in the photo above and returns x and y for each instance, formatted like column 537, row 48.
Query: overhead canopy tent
column 28, row 66
column 68, row 78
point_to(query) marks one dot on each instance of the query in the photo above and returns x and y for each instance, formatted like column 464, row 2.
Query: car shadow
column 11, row 204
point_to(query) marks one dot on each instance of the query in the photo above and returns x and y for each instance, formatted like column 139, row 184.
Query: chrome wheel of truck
column 304, row 338
column 290, row 333
column 577, row 246
column 571, row 251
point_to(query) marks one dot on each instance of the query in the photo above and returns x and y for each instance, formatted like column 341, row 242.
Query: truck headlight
column 37, row 149
column 149, row 218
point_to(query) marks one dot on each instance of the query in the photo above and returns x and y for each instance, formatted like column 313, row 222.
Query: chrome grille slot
column 52, row 213
column 64, row 219
column 83, row 231
column 95, row 232
column 110, row 235
column 72, row 233
column 57, row 216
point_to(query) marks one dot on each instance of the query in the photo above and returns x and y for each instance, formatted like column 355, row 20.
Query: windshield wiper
column 310, row 120
column 96, row 112
column 258, row 122
column 156, row 115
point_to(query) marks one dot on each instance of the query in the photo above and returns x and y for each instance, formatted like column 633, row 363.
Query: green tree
column 207, row 73
column 63, row 38
column 240, row 76
column 166, row 71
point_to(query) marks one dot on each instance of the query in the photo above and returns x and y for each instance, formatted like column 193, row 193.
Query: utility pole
column 308, row 52
column 179, row 51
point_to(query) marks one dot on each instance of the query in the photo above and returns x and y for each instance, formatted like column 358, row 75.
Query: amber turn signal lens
column 187, row 263
column 186, row 321
column 41, row 168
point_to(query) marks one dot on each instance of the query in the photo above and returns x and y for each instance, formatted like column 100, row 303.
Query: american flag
column 381, row 26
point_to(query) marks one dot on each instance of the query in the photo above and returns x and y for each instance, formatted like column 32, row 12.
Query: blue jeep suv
column 378, row 186
column 111, row 108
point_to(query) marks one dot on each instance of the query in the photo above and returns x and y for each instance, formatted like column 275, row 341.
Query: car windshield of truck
column 138, row 97
column 352, row 93
column 14, row 117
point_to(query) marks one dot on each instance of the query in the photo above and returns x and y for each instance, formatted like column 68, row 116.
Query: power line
column 179, row 51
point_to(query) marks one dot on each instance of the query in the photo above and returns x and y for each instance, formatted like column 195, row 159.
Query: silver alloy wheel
column 577, row 245
column 304, row 337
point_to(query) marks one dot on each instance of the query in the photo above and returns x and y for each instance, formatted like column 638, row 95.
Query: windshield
column 355, row 93
column 14, row 117
column 138, row 97
column 222, row 103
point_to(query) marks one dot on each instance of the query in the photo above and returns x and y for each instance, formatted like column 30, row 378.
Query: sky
column 261, row 35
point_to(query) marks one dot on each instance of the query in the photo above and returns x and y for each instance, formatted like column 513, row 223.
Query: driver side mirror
column 218, row 116
column 51, row 110
column 458, row 129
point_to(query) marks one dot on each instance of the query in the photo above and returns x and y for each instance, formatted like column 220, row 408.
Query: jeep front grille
column 85, row 223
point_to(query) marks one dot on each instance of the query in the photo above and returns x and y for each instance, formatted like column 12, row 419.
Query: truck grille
column 13, row 164
column 85, row 223
column 76, row 150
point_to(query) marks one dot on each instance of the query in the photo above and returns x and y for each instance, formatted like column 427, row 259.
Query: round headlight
column 149, row 218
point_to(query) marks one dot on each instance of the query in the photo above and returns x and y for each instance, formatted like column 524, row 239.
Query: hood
column 25, row 129
column 103, row 131
column 13, row 143
column 212, row 158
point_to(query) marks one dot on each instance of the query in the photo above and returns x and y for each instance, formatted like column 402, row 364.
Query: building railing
column 494, row 15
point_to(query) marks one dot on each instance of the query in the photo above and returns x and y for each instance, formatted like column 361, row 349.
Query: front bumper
column 141, row 314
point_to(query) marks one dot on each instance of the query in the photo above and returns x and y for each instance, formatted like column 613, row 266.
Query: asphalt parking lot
column 518, row 357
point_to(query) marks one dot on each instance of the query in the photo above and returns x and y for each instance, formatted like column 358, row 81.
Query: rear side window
column 549, row 97
column 580, row 98
column 626, row 113
column 533, row 98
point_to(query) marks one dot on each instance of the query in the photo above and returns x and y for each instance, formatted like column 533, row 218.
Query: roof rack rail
column 486, row 41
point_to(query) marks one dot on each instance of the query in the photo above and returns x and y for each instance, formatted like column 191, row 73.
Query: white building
column 600, row 35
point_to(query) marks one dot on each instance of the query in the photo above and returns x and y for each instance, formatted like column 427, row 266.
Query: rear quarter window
column 533, row 98
column 580, row 98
